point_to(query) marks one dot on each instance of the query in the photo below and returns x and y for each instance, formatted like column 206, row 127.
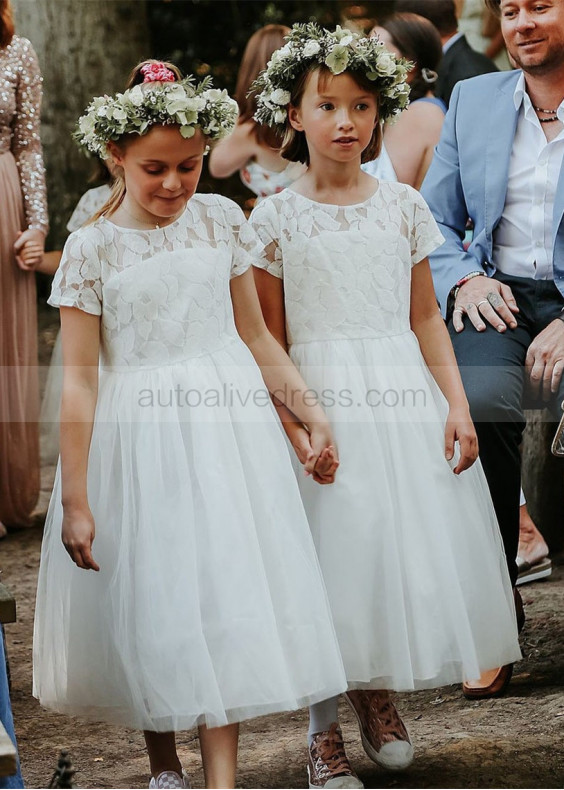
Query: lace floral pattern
column 346, row 269
column 163, row 294
column 20, row 105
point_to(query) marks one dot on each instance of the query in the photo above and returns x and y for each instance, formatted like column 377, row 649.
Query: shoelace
column 388, row 718
column 329, row 756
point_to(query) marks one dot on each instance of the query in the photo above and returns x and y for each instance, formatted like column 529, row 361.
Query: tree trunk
column 85, row 48
column 543, row 479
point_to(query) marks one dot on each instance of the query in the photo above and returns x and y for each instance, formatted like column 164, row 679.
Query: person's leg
column 161, row 747
column 532, row 557
column 321, row 716
column 219, row 754
column 492, row 369
column 328, row 764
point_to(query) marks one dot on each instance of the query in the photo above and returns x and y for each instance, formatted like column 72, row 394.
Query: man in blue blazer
column 500, row 163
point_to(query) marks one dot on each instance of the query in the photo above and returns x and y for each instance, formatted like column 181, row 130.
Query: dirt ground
column 513, row 742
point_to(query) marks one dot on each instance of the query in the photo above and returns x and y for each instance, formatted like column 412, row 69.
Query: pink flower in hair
column 157, row 72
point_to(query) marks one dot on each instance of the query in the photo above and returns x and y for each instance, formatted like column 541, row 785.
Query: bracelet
column 464, row 280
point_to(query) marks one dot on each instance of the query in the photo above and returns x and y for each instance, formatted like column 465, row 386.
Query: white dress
column 381, row 167
column 209, row 606
column 411, row 553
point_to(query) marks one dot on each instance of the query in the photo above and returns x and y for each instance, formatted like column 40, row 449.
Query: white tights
column 322, row 715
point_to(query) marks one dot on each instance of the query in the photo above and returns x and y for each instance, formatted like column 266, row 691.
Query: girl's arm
column 410, row 141
column 233, row 152
column 81, row 347
column 281, row 377
column 270, row 291
column 429, row 327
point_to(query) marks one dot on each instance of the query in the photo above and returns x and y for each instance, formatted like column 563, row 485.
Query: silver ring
column 458, row 310
column 482, row 301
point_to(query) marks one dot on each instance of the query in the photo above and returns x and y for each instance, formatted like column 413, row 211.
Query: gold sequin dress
column 23, row 205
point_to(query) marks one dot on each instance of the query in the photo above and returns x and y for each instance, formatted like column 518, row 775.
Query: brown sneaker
column 328, row 764
column 383, row 733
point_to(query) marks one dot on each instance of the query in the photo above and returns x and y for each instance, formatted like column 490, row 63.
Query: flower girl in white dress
column 409, row 547
column 176, row 497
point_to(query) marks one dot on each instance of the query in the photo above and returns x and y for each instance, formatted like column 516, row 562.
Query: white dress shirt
column 522, row 241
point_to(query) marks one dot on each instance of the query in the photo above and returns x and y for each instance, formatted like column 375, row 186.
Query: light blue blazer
column 468, row 178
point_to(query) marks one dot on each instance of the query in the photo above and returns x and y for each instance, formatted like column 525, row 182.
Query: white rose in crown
column 280, row 96
column 344, row 37
column 279, row 54
column 386, row 65
column 311, row 48
column 214, row 94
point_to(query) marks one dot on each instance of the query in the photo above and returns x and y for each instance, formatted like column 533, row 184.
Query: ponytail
column 113, row 202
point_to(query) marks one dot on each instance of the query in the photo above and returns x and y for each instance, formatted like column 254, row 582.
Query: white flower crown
column 135, row 110
column 341, row 50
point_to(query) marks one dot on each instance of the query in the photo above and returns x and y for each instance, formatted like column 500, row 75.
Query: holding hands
column 316, row 451
column 484, row 299
column 29, row 248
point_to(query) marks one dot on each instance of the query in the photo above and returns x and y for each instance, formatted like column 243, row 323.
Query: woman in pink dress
column 23, row 227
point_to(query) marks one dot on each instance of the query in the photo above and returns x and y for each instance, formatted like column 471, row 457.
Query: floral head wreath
column 159, row 100
column 307, row 46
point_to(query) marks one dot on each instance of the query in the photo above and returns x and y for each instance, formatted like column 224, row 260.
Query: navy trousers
column 493, row 373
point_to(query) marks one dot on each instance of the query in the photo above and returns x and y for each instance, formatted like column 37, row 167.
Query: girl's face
column 161, row 170
column 337, row 116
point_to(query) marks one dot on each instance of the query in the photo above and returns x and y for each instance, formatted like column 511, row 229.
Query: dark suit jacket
column 459, row 63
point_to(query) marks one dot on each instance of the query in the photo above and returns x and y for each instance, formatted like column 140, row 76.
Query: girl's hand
column 326, row 466
column 78, row 533
column 322, row 460
column 459, row 426
column 29, row 248
column 327, row 462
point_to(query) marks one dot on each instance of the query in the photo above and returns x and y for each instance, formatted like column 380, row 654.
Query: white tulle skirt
column 411, row 554
column 209, row 606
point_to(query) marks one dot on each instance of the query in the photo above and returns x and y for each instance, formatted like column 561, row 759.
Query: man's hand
column 484, row 299
column 545, row 360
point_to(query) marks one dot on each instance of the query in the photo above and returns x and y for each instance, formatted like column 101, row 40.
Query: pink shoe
column 383, row 733
column 328, row 765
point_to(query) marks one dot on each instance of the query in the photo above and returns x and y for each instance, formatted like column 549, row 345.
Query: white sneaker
column 168, row 779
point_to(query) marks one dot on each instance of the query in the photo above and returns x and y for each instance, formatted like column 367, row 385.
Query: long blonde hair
column 117, row 194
